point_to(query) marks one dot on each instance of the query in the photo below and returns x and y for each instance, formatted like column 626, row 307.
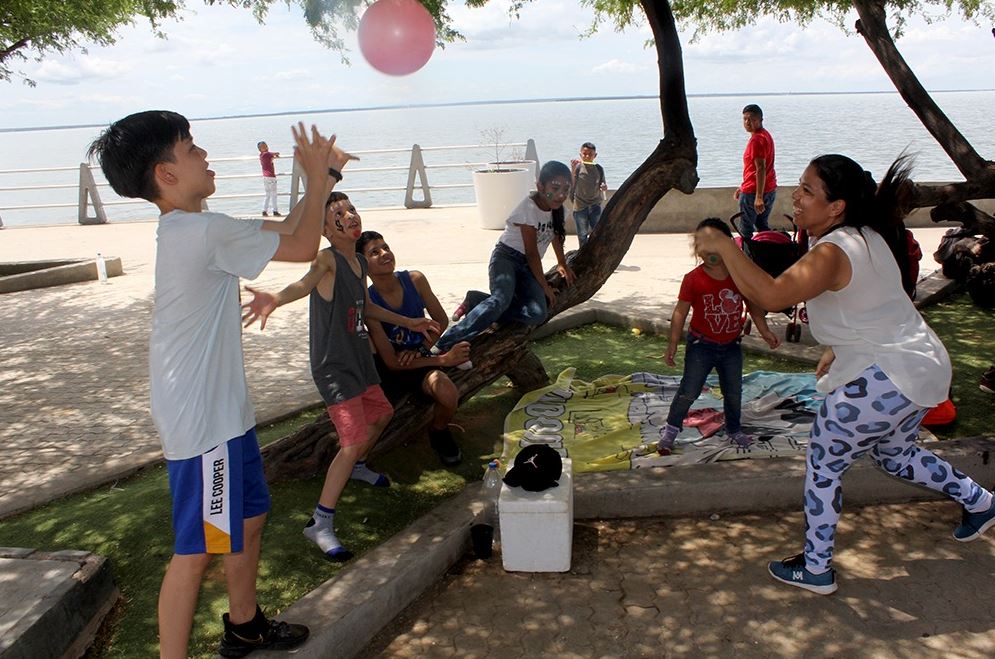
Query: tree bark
column 980, row 173
column 671, row 165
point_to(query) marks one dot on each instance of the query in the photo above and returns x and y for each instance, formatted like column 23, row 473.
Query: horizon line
column 408, row 106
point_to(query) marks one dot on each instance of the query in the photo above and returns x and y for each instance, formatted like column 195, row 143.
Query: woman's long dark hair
column 881, row 207
column 549, row 171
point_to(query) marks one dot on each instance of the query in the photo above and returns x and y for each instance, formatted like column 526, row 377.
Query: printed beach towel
column 615, row 421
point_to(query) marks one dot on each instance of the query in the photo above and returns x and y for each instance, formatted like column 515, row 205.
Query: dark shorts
column 397, row 384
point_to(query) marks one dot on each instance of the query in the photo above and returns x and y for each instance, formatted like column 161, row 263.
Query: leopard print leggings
column 869, row 415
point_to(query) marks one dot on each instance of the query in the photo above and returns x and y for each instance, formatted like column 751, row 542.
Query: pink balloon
column 397, row 37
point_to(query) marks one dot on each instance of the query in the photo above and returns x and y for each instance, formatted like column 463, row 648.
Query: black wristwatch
column 335, row 174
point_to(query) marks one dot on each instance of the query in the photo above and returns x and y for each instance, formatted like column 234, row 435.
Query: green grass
column 129, row 522
column 966, row 331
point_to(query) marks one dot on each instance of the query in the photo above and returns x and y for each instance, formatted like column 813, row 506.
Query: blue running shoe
column 972, row 525
column 741, row 439
column 666, row 444
column 793, row 572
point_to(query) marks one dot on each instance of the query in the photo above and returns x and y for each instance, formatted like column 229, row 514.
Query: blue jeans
column 749, row 221
column 585, row 220
column 700, row 357
column 515, row 296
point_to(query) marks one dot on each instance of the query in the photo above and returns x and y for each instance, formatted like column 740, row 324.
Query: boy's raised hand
column 338, row 158
column 258, row 308
column 312, row 154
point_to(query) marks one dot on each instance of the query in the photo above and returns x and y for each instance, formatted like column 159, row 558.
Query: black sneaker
column 445, row 447
column 260, row 633
column 265, row 214
column 277, row 214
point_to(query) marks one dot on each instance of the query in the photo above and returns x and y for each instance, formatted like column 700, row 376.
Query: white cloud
column 86, row 69
column 616, row 66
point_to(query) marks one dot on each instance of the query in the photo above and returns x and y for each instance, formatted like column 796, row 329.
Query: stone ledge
column 52, row 603
column 26, row 275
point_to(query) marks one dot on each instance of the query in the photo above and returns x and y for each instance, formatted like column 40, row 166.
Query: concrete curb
column 346, row 612
column 54, row 602
column 28, row 275
column 754, row 486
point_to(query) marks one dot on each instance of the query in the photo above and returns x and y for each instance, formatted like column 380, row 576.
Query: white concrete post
column 417, row 169
column 296, row 176
column 88, row 193
column 532, row 154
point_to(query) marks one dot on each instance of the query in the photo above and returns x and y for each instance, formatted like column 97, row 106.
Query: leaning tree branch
column 10, row 50
column 874, row 28
column 505, row 351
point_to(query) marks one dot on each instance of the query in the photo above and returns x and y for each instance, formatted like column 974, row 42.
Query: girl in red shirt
column 713, row 341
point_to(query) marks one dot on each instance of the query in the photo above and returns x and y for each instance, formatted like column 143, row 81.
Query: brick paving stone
column 906, row 589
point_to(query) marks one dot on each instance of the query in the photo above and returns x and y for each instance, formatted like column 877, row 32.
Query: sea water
column 873, row 128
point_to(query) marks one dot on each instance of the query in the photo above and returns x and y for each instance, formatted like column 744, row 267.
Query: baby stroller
column 776, row 251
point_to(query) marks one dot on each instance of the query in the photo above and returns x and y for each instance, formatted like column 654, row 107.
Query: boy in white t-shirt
column 200, row 402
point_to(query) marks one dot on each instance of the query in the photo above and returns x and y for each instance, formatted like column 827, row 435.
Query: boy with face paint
column 341, row 362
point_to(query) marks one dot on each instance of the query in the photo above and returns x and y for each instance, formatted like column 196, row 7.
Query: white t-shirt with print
column 529, row 214
column 200, row 398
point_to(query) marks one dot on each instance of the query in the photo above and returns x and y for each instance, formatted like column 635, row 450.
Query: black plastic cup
column 483, row 540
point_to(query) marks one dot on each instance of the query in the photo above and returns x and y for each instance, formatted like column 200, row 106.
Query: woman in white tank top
column 882, row 368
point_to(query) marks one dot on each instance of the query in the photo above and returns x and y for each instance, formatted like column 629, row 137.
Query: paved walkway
column 74, row 364
column 699, row 588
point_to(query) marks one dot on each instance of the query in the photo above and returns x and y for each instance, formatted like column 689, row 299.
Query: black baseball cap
column 537, row 467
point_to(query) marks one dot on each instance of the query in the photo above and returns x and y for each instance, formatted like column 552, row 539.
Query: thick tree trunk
column 671, row 165
column 980, row 173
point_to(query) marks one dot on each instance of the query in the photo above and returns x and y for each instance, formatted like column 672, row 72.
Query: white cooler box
column 537, row 527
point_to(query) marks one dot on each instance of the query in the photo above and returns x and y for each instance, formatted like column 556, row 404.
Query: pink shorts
column 352, row 417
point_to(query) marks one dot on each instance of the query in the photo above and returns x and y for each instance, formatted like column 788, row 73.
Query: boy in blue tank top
column 341, row 360
column 402, row 358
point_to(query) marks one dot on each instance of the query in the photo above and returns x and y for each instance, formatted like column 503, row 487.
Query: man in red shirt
column 756, row 194
column 269, row 177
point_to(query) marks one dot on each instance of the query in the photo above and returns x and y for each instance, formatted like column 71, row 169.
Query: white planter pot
column 499, row 192
column 518, row 164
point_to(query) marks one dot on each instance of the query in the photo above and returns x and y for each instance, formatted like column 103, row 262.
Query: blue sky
column 219, row 61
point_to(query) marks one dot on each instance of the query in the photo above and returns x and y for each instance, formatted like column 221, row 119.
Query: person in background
column 587, row 190
column 883, row 367
column 266, row 158
column 759, row 187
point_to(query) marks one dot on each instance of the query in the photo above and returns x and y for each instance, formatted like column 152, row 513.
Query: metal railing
column 92, row 209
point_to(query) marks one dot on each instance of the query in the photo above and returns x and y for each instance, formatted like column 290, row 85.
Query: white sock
column 361, row 472
column 320, row 531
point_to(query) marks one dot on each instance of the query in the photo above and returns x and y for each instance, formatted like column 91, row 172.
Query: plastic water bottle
column 485, row 526
column 101, row 268
column 491, row 492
